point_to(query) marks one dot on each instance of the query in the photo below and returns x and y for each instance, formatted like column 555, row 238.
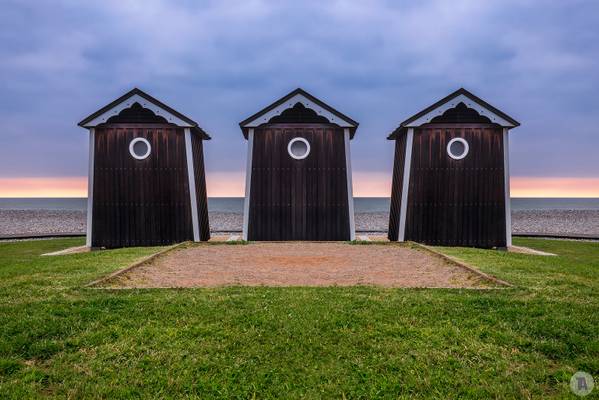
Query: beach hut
column 298, row 176
column 146, row 175
column 451, row 175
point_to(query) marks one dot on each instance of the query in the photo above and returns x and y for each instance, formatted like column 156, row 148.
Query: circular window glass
column 457, row 148
column 140, row 148
column 298, row 148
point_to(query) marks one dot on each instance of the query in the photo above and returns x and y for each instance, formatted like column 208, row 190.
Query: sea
column 361, row 204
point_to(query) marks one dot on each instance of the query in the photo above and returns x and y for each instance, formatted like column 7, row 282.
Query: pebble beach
column 554, row 222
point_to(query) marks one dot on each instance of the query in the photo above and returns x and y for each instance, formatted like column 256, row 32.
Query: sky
column 377, row 61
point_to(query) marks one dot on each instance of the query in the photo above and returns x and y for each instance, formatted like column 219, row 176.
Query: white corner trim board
column 506, row 173
column 192, row 186
column 128, row 102
column 248, row 182
column 90, row 188
column 350, row 188
column 405, row 186
column 299, row 98
column 426, row 118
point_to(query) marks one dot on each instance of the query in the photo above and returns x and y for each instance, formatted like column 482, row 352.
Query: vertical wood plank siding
column 298, row 199
column 200, row 179
column 457, row 202
column 397, row 185
column 140, row 202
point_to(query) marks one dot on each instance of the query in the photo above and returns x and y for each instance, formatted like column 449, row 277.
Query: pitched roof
column 298, row 95
column 171, row 115
column 424, row 116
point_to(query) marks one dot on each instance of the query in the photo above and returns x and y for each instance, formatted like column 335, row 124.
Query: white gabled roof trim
column 145, row 103
column 426, row 118
column 299, row 98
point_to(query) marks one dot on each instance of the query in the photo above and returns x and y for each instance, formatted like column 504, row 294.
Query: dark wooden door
column 457, row 202
column 140, row 202
column 298, row 199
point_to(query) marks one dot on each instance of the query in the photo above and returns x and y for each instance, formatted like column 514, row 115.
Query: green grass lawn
column 58, row 339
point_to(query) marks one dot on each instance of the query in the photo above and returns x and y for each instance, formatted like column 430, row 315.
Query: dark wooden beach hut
column 146, row 175
column 298, row 176
column 451, row 175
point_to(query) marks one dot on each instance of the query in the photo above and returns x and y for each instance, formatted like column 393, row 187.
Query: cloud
column 220, row 61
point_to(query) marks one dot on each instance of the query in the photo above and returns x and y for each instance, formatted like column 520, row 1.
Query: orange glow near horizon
column 75, row 186
column 366, row 184
column 554, row 187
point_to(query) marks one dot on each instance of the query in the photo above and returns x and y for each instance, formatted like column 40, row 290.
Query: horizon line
column 355, row 197
column 366, row 184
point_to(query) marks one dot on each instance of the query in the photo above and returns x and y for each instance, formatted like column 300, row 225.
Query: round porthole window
column 298, row 148
column 140, row 148
column 457, row 148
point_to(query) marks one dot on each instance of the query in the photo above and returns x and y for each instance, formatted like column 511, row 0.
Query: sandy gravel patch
column 299, row 264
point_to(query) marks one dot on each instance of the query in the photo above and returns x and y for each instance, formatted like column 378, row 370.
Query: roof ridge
column 151, row 99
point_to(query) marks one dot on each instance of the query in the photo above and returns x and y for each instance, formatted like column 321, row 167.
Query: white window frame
column 132, row 152
column 466, row 148
column 298, row 139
